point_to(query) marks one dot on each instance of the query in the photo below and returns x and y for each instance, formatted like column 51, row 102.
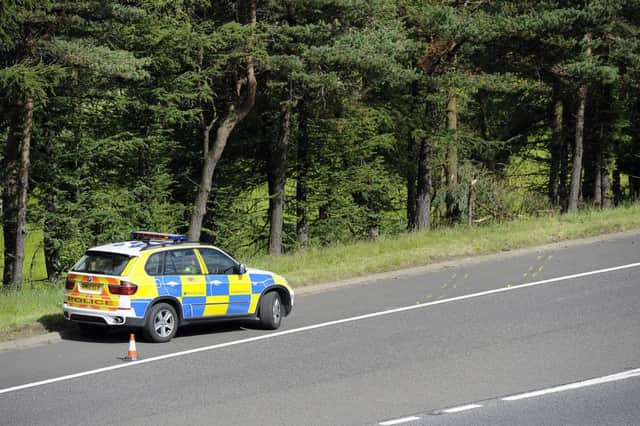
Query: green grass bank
column 318, row 265
column 36, row 307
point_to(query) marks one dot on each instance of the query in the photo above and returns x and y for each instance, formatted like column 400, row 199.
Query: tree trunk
column 578, row 151
column 556, row 147
column 563, row 177
column 604, row 179
column 634, row 188
column 323, row 216
column 411, row 166
column 597, row 185
column 423, row 204
column 10, row 196
column 235, row 115
column 616, row 188
column 576, row 172
column 605, row 161
column 51, row 251
column 453, row 212
column 16, row 190
column 472, row 185
column 277, row 180
column 302, row 232
column 452, row 148
column 411, row 184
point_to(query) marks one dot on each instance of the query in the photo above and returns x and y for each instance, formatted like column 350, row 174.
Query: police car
column 161, row 281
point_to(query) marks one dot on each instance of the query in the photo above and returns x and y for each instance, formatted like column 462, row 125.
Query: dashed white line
column 577, row 385
column 399, row 421
column 488, row 402
column 461, row 408
column 316, row 326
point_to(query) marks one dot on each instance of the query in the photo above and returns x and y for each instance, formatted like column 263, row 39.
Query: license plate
column 91, row 286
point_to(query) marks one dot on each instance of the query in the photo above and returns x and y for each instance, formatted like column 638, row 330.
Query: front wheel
column 162, row 323
column 270, row 311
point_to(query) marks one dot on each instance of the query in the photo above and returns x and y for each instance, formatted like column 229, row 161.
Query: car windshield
column 102, row 263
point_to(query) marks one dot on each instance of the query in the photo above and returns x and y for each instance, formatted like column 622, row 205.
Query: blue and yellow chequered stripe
column 210, row 295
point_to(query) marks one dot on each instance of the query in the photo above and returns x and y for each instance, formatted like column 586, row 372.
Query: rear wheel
column 162, row 323
column 270, row 311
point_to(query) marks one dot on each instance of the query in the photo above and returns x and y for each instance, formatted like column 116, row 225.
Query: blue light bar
column 144, row 235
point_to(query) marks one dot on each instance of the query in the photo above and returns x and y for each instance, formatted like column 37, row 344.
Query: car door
column 184, row 278
column 228, row 293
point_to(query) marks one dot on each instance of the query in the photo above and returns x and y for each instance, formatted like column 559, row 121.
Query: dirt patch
column 45, row 324
column 22, row 331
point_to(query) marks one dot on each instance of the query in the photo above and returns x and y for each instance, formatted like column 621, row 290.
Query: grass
column 37, row 306
column 32, row 309
column 325, row 264
column 34, row 268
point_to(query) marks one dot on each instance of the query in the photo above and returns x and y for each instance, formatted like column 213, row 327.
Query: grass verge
column 36, row 308
column 34, row 268
column 332, row 263
column 31, row 310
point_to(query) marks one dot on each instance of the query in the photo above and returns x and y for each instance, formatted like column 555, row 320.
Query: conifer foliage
column 270, row 126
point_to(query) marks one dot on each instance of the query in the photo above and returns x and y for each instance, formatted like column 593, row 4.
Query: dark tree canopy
column 275, row 125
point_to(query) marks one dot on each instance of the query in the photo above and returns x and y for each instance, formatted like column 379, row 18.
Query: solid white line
column 315, row 326
column 577, row 385
column 399, row 421
column 461, row 408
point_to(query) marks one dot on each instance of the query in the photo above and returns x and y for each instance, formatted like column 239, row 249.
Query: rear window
column 94, row 262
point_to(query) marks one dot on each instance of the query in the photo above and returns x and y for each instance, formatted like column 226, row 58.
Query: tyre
column 162, row 323
column 270, row 311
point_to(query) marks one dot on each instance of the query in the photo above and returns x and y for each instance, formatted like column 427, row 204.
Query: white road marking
column 315, row 326
column 461, row 408
column 577, row 385
column 399, row 421
column 572, row 386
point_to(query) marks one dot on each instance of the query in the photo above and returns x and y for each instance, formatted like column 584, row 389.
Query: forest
column 270, row 126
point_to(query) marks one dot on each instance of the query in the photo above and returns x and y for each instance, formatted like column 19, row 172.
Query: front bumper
column 118, row 317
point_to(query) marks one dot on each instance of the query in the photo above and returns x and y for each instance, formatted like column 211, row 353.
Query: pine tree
column 43, row 55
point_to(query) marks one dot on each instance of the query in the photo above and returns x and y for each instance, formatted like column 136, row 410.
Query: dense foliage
column 317, row 121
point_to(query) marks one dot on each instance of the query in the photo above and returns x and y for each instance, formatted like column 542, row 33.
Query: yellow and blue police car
column 161, row 281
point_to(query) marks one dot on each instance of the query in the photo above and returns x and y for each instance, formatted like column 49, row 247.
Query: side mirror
column 241, row 269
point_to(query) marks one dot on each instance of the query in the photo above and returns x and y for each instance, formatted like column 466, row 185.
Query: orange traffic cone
column 132, row 355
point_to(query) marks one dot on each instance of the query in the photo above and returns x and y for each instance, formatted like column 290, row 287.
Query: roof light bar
column 143, row 235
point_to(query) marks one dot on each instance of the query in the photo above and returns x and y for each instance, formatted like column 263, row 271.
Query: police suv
column 161, row 281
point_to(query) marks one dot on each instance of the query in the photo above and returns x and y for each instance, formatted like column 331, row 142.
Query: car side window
column 217, row 262
column 181, row 262
column 154, row 264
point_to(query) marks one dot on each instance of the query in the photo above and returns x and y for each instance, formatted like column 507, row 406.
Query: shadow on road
column 75, row 332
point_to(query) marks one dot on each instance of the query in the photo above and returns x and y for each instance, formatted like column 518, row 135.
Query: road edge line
column 317, row 326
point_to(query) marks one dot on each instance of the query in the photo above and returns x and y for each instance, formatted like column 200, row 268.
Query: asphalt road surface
column 402, row 348
column 610, row 403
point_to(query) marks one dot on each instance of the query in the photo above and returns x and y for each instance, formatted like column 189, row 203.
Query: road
column 608, row 403
column 402, row 346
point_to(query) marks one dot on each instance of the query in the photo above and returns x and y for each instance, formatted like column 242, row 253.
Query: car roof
column 134, row 248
